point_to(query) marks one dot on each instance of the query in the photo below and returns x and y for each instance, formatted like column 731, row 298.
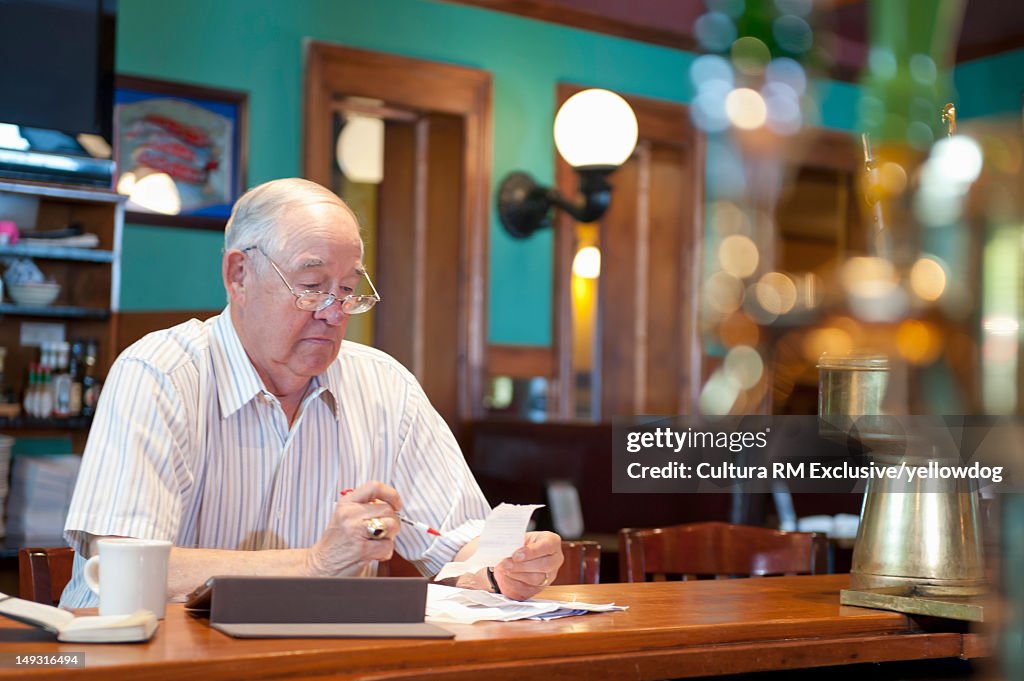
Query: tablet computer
column 317, row 607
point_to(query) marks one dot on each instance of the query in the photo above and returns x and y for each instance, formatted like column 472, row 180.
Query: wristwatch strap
column 494, row 582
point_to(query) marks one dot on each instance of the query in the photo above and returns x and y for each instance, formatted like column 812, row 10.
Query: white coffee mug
column 133, row 576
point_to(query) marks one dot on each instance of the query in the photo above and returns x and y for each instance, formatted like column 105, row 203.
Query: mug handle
column 91, row 573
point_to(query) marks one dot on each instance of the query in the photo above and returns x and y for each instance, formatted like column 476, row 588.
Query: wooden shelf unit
column 90, row 280
column 59, row 253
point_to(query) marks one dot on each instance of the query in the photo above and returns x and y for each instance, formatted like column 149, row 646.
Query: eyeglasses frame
column 330, row 297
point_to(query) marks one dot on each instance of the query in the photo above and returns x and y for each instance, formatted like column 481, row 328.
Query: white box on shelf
column 34, row 334
column 41, row 487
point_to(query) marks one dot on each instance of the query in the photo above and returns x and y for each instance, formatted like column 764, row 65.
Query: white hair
column 256, row 218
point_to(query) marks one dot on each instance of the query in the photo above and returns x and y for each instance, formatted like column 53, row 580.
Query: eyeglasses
column 315, row 301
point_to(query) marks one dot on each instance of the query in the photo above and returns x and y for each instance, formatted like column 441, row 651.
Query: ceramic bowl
column 42, row 293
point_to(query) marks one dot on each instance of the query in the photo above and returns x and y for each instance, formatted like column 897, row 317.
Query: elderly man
column 234, row 437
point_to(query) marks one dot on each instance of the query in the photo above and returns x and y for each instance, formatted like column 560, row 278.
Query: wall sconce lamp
column 595, row 132
column 359, row 150
column 586, row 264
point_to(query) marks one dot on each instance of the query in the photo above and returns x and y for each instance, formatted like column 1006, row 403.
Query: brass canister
column 852, row 385
column 921, row 533
column 851, row 390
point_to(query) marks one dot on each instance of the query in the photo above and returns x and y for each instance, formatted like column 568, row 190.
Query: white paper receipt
column 504, row 532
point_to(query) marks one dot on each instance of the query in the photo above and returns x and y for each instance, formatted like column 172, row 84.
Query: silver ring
column 375, row 528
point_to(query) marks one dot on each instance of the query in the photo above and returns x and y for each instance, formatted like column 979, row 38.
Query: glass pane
column 363, row 161
column 520, row 398
column 586, row 270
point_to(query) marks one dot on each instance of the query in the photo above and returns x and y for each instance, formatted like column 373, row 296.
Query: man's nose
column 331, row 314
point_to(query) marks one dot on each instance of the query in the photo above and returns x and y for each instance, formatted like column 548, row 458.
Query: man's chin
column 315, row 356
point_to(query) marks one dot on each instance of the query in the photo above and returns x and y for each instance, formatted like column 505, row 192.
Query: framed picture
column 180, row 151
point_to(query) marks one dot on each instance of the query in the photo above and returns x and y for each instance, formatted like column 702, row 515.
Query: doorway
column 423, row 205
column 637, row 349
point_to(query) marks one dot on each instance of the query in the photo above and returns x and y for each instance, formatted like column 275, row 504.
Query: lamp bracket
column 524, row 206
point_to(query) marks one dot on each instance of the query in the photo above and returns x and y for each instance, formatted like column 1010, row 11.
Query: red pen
column 418, row 525
column 423, row 527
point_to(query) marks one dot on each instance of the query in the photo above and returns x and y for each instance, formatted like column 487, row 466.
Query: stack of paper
column 41, row 488
column 466, row 606
column 6, row 442
column 504, row 532
column 87, row 240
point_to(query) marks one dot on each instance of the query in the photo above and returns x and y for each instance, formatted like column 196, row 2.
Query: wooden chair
column 582, row 564
column 718, row 550
column 43, row 573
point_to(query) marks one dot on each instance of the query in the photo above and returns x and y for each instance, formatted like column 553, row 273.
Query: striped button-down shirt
column 188, row 445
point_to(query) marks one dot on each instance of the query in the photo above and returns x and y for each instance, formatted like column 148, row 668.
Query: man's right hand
column 345, row 546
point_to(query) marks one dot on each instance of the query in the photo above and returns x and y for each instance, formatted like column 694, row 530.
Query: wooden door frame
column 663, row 122
column 429, row 87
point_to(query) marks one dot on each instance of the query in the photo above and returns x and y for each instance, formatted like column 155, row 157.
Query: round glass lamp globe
column 360, row 150
column 595, row 128
column 587, row 263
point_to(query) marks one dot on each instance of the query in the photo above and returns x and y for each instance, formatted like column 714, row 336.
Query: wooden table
column 671, row 629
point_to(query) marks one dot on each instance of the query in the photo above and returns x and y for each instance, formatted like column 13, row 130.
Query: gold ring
column 375, row 528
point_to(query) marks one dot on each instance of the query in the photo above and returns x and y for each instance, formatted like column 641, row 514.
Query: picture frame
column 179, row 146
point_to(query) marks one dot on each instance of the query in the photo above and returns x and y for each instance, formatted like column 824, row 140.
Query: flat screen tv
column 56, row 83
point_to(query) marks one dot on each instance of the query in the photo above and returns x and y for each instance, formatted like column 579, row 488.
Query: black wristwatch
column 493, row 580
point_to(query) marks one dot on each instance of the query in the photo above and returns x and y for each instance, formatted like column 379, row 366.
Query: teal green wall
column 256, row 46
column 838, row 103
column 990, row 86
column 165, row 268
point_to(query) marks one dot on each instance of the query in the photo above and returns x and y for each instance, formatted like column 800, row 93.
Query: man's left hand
column 532, row 567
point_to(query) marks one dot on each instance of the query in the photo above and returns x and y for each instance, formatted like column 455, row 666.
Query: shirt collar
column 331, row 380
column 236, row 377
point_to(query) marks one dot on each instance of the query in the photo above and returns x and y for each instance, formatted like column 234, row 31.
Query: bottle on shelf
column 48, row 355
column 61, row 383
column 38, row 401
column 29, row 398
column 76, row 370
column 45, row 404
column 3, row 383
column 90, row 384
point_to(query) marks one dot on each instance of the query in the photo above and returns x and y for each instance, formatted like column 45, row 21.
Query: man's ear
column 234, row 268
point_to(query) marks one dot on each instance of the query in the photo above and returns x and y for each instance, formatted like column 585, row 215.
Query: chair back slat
column 718, row 549
column 43, row 573
column 581, row 563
